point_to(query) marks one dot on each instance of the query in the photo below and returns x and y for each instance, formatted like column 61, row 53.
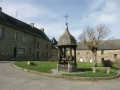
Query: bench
column 101, row 68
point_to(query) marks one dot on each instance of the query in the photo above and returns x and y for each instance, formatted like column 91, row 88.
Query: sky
column 49, row 14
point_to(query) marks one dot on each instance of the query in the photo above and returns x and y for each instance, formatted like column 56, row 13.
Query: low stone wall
column 67, row 77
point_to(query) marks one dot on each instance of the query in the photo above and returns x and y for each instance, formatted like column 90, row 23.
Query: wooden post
column 59, row 55
column 75, row 55
column 70, row 54
column 64, row 52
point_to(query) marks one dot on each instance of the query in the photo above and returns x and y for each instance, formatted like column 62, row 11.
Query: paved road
column 14, row 79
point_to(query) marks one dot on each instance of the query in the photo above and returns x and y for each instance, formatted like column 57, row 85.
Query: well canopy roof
column 67, row 39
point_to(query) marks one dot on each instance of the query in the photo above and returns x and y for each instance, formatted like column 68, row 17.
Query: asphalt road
column 15, row 79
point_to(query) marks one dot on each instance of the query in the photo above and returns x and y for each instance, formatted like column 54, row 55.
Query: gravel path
column 15, row 79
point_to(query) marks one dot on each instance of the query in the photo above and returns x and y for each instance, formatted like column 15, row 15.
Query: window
column 88, row 53
column 21, row 51
column 24, row 38
column 102, row 52
column 102, row 59
column 1, row 32
column 16, row 34
column 46, row 46
column 43, row 55
column 37, row 55
column 46, row 55
column 30, row 50
column 38, row 45
column 115, row 55
column 78, row 54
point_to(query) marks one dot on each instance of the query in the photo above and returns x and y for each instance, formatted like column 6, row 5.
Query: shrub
column 107, row 63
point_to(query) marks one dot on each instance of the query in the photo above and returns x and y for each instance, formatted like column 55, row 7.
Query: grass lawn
column 86, row 68
column 41, row 66
column 46, row 66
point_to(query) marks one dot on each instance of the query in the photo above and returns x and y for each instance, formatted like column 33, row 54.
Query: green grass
column 46, row 66
column 86, row 68
column 99, row 73
column 41, row 66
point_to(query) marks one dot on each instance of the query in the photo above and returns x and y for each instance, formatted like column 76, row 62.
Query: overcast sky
column 49, row 14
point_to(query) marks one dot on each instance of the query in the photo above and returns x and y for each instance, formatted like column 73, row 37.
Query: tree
column 92, row 37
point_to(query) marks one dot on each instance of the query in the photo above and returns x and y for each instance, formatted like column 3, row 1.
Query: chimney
column 42, row 29
column 0, row 9
column 32, row 25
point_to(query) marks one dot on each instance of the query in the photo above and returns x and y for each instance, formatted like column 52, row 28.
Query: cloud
column 106, row 18
column 76, row 33
column 53, row 29
column 95, row 4
column 56, row 29
column 106, row 14
column 26, row 10
column 110, row 6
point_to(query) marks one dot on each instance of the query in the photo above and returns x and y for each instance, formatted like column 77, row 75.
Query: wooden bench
column 101, row 68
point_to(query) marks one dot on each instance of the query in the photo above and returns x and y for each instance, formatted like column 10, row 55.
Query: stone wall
column 86, row 55
column 54, row 55
column 34, row 48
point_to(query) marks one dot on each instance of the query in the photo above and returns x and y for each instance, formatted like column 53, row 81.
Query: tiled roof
column 19, row 25
column 111, row 45
column 67, row 39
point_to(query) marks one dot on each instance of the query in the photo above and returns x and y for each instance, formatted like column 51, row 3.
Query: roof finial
column 16, row 13
column 66, row 16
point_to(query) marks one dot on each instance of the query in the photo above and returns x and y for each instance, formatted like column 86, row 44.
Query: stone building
column 110, row 50
column 22, row 41
column 54, row 52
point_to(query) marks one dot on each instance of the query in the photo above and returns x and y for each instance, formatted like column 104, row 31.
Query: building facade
column 22, row 41
column 54, row 52
column 109, row 51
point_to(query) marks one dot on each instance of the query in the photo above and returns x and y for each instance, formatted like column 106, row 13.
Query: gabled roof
column 111, row 45
column 22, row 26
column 54, row 41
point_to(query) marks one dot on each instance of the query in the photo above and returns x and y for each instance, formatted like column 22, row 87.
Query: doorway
column 37, row 55
column 15, row 52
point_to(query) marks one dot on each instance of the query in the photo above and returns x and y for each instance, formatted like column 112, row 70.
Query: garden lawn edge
column 67, row 77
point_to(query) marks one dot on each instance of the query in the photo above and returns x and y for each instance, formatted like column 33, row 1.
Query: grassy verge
column 86, row 68
column 99, row 73
column 46, row 66
column 41, row 66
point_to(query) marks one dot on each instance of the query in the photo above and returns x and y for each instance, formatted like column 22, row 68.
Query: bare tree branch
column 92, row 37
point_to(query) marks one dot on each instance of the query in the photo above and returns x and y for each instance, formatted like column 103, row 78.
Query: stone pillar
column 59, row 55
